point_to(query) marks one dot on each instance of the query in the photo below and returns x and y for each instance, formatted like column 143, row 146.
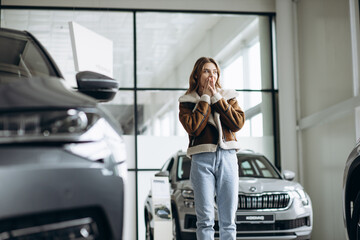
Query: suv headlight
column 102, row 143
column 187, row 193
column 300, row 194
column 188, row 196
column 57, row 125
column 84, row 131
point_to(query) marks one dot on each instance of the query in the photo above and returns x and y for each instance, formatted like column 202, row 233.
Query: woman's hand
column 209, row 87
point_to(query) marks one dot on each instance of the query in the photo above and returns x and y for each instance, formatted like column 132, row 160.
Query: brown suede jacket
column 211, row 122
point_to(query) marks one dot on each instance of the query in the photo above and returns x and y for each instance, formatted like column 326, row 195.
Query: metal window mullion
column 277, row 160
column 136, row 126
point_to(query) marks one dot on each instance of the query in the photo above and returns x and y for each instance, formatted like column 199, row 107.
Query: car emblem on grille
column 252, row 189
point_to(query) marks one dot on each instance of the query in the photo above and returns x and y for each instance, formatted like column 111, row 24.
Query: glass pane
column 158, row 113
column 249, row 64
column 254, row 81
column 122, row 109
column 257, row 132
column 233, row 77
column 51, row 28
column 168, row 44
column 159, row 127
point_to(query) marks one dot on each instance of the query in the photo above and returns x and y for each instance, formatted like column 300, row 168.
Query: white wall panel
column 325, row 150
column 325, row 54
column 325, row 81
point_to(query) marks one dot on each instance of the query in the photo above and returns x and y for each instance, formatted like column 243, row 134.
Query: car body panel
column 268, row 185
column 39, row 92
column 53, row 180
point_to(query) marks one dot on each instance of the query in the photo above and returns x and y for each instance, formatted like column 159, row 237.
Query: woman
column 211, row 116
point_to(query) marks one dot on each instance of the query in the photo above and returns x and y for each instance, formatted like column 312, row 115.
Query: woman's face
column 208, row 73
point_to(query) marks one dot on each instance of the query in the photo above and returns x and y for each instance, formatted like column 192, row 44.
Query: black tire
column 354, row 233
column 148, row 233
column 175, row 225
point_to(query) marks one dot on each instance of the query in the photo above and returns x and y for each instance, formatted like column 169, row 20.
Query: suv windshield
column 20, row 57
column 249, row 166
column 256, row 166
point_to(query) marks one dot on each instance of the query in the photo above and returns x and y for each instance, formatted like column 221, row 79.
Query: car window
column 171, row 163
column 21, row 58
column 263, row 169
column 256, row 166
column 183, row 169
column 247, row 168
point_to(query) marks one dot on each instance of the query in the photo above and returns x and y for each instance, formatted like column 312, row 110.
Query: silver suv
column 271, row 205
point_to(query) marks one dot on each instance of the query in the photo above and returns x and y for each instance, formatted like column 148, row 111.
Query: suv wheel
column 175, row 225
column 355, row 220
column 148, row 234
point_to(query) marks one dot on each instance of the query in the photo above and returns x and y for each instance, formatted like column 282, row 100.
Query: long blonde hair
column 196, row 72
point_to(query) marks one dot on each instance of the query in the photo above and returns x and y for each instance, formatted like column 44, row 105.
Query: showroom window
column 153, row 54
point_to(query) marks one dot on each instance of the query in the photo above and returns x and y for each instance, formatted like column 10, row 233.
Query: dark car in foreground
column 271, row 205
column 62, row 158
column 351, row 194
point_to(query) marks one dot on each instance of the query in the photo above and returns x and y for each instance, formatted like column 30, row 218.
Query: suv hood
column 40, row 93
column 260, row 185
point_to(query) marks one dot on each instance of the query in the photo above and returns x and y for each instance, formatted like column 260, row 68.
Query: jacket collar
column 190, row 97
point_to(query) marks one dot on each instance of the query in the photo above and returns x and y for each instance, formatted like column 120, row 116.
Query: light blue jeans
column 215, row 173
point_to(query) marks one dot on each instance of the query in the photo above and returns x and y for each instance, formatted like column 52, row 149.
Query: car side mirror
column 288, row 175
column 96, row 85
column 162, row 174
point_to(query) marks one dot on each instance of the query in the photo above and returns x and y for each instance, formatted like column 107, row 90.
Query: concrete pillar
column 355, row 38
column 286, row 61
column 265, row 61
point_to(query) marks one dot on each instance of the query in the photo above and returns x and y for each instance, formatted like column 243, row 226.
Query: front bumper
column 299, row 228
column 293, row 223
column 60, row 192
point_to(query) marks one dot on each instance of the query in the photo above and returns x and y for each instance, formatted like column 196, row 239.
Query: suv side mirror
column 96, row 85
column 288, row 175
column 162, row 174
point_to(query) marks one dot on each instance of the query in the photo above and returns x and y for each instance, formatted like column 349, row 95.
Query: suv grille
column 264, row 201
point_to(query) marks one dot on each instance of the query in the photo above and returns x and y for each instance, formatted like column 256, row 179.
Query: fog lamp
column 186, row 193
column 189, row 204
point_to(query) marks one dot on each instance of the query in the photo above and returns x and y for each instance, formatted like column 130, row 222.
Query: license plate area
column 254, row 218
